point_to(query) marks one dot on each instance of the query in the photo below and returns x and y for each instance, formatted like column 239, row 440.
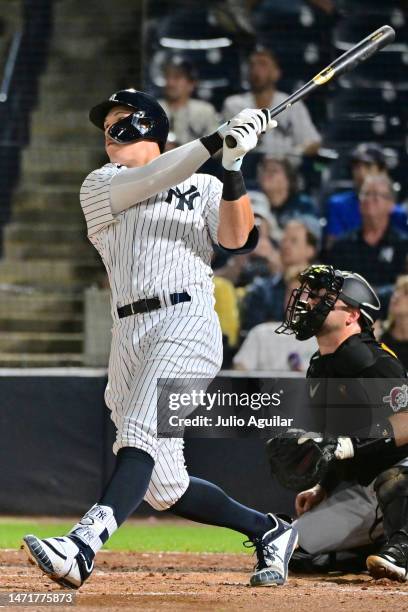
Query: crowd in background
column 363, row 229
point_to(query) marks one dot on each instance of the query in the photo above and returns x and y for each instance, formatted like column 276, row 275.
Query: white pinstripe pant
column 182, row 341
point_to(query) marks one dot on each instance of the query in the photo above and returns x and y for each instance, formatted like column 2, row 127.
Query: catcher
column 342, row 479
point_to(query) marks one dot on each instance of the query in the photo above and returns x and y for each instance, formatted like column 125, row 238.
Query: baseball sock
column 122, row 496
column 204, row 502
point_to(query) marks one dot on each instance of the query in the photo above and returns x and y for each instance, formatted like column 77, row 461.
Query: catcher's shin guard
column 391, row 487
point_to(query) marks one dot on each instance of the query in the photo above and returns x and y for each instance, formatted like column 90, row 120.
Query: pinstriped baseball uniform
column 160, row 246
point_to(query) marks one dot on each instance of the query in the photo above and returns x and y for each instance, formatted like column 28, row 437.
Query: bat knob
column 230, row 141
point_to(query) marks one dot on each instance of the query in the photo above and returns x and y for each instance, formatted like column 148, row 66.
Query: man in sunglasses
column 153, row 220
column 366, row 469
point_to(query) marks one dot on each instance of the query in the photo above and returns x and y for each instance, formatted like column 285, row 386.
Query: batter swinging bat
column 346, row 62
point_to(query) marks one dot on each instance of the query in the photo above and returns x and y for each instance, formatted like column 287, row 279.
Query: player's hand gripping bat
column 346, row 62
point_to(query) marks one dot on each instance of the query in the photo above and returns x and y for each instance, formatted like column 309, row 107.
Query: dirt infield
column 179, row 581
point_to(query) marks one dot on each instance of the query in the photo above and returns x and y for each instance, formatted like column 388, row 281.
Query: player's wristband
column 249, row 246
column 234, row 186
column 378, row 446
column 213, row 143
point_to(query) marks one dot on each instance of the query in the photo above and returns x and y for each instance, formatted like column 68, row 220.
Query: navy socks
column 129, row 482
column 204, row 502
column 123, row 494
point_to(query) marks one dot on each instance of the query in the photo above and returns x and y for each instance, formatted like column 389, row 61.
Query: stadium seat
column 390, row 12
column 373, row 100
column 212, row 51
column 364, row 127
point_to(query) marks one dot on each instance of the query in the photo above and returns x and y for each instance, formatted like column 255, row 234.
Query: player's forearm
column 236, row 216
column 134, row 185
column 236, row 222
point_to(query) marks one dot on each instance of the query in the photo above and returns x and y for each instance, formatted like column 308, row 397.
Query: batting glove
column 246, row 139
column 260, row 120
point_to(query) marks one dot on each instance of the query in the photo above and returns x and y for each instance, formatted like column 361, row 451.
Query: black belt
column 150, row 304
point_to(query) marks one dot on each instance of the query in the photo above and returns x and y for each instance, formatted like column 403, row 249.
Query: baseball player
column 339, row 512
column 153, row 220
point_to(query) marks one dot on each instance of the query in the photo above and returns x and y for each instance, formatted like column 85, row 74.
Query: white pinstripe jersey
column 159, row 246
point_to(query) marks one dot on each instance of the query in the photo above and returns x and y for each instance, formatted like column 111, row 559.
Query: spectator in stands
column 281, row 196
column 377, row 250
column 263, row 261
column 189, row 118
column 266, row 298
column 296, row 134
column 343, row 212
column 395, row 335
column 265, row 350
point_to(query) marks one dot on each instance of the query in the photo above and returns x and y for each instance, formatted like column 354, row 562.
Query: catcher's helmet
column 147, row 122
column 305, row 320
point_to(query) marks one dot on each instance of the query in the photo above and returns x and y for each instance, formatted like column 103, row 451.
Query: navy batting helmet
column 147, row 122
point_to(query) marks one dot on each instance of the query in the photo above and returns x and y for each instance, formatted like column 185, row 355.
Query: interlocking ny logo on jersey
column 187, row 197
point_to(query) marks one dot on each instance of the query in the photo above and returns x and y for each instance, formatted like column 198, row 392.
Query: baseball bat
column 360, row 52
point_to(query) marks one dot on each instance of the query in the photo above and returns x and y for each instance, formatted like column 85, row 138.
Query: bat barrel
column 362, row 51
column 347, row 61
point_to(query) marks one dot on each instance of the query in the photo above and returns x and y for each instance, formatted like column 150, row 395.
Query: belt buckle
column 132, row 309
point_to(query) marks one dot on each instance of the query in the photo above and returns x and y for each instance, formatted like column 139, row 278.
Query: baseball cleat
column 60, row 559
column 274, row 550
column 391, row 562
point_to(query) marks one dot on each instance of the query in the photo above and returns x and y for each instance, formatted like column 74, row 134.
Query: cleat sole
column 378, row 568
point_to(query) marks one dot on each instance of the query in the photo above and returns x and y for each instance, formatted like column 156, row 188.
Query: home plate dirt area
column 199, row 581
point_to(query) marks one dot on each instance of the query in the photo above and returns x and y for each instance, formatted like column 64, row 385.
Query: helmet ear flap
column 156, row 123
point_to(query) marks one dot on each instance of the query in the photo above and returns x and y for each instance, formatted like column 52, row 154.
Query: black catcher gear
column 391, row 561
column 298, row 464
column 327, row 285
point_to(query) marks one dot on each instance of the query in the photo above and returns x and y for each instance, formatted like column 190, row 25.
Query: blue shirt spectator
column 280, row 198
column 343, row 214
column 266, row 298
column 264, row 301
column 377, row 251
column 342, row 209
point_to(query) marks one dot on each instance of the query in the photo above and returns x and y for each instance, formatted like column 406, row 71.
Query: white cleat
column 274, row 551
column 60, row 559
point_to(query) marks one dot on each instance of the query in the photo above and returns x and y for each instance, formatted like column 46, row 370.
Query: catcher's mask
column 148, row 120
column 320, row 288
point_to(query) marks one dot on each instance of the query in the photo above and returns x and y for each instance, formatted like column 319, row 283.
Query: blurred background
column 330, row 184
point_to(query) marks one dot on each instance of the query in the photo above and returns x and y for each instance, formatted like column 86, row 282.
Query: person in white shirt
column 296, row 134
column 265, row 351
column 189, row 118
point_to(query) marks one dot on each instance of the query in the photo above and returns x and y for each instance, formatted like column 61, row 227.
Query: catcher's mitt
column 299, row 460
